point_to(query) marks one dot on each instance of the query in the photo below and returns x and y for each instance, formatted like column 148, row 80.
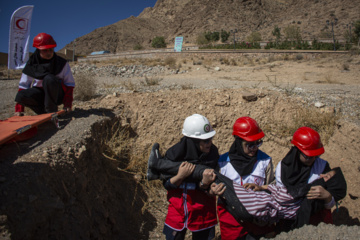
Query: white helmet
column 198, row 126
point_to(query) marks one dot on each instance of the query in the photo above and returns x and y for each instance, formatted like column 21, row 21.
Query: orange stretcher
column 20, row 128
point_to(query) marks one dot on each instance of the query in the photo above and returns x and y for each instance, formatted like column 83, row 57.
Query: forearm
column 176, row 180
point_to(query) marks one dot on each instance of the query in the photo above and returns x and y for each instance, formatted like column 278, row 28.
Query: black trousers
column 45, row 99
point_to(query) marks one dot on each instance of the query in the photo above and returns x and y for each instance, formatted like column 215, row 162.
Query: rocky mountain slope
column 171, row 18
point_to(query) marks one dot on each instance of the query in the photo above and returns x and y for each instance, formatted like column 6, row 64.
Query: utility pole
column 332, row 28
column 348, row 26
column 234, row 31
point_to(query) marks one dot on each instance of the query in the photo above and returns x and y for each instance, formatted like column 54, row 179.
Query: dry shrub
column 171, row 62
column 198, row 62
column 129, row 85
column 152, row 81
column 271, row 59
column 6, row 73
column 249, row 61
column 346, row 67
column 225, row 61
column 328, row 78
column 85, row 87
column 354, row 51
column 208, row 62
column 299, row 57
column 152, row 62
column 311, row 117
column 324, row 123
column 117, row 144
column 234, row 62
column 118, row 147
column 187, row 86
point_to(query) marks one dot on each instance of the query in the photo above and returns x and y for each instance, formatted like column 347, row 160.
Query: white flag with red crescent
column 19, row 35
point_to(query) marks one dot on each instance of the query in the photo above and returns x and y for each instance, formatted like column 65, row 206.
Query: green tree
column 224, row 35
column 276, row 33
column 357, row 30
column 158, row 42
column 292, row 33
column 215, row 36
column 138, row 46
column 212, row 36
column 254, row 37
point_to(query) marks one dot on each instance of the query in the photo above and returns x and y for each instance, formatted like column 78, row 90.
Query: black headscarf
column 243, row 163
column 38, row 67
column 293, row 171
column 188, row 149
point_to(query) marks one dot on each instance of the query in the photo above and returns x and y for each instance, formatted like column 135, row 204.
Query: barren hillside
column 171, row 18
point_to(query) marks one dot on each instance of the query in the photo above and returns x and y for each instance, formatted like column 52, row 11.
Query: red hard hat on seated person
column 44, row 41
column 308, row 141
column 247, row 129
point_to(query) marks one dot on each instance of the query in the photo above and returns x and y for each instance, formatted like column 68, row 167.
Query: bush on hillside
column 158, row 42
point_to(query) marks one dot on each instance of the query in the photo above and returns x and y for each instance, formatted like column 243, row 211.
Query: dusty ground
column 86, row 180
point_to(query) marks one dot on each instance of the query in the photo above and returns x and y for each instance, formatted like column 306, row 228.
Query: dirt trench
column 80, row 196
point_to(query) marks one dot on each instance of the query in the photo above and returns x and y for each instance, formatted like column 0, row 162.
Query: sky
column 67, row 20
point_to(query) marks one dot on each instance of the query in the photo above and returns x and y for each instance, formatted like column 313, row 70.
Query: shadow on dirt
column 341, row 217
column 70, row 196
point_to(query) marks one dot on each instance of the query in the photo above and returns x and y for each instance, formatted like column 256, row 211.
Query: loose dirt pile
column 87, row 180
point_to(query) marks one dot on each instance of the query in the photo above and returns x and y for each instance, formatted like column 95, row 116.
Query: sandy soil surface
column 87, row 179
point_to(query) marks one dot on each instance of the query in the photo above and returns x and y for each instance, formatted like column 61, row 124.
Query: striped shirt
column 268, row 207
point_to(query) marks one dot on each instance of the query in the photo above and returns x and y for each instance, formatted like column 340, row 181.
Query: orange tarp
column 17, row 125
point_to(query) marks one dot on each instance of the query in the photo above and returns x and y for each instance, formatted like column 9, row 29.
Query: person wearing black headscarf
column 271, row 203
column 190, row 205
column 335, row 185
column 244, row 163
column 303, row 165
column 46, row 81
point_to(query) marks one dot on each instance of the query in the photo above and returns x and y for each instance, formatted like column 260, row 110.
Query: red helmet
column 43, row 41
column 308, row 141
column 247, row 129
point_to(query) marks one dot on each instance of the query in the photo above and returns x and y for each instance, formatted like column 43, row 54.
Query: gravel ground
column 322, row 231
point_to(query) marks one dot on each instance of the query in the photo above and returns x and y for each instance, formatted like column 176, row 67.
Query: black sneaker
column 152, row 174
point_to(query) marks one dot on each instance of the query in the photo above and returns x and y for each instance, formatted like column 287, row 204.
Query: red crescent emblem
column 18, row 23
